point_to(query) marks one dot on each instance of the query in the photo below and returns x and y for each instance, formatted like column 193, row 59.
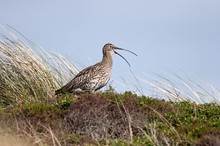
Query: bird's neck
column 107, row 59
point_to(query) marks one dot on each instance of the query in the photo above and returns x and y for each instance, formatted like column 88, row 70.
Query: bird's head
column 111, row 49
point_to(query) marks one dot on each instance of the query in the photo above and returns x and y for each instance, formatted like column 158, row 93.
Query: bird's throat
column 107, row 59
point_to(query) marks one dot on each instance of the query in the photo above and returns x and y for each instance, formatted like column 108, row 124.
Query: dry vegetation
column 30, row 114
column 29, row 73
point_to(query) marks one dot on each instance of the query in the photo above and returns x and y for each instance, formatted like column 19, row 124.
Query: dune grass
column 181, row 88
column 28, row 72
column 30, row 114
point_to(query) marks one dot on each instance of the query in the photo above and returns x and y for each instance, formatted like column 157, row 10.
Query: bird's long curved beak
column 122, row 56
column 125, row 50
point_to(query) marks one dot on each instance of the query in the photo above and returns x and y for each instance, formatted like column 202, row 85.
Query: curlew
column 96, row 76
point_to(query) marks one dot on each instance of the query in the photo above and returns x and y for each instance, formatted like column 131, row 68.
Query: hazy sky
column 167, row 35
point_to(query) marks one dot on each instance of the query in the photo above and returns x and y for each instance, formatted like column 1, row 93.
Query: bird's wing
column 80, row 79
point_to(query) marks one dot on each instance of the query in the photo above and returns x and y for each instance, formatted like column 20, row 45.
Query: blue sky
column 171, row 35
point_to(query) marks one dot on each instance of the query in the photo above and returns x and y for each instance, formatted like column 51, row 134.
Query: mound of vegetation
column 114, row 119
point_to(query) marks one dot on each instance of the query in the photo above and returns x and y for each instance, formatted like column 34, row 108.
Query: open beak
column 116, row 48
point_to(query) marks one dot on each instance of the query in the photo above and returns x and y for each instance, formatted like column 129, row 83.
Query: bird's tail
column 58, row 91
column 62, row 90
column 65, row 88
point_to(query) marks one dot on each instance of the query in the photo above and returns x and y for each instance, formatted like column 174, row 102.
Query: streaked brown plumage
column 96, row 76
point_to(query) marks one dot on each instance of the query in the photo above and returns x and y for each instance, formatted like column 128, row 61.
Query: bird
column 96, row 76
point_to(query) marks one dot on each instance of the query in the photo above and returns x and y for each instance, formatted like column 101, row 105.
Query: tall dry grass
column 27, row 71
column 177, row 88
